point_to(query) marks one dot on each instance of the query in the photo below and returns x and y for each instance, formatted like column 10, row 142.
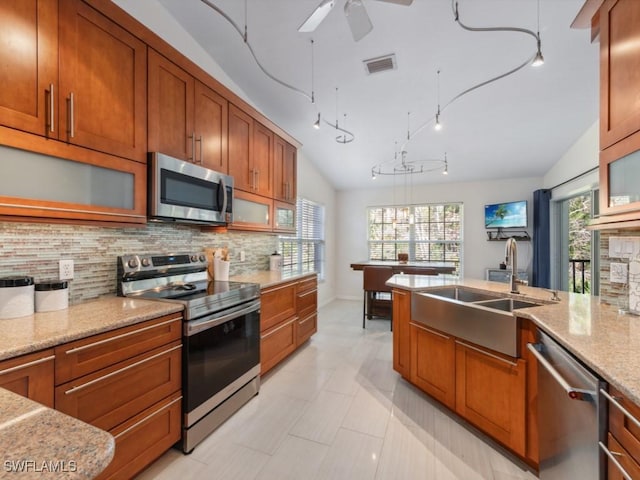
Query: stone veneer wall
column 613, row 293
column 34, row 249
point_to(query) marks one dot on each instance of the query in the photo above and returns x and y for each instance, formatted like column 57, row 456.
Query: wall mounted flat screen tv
column 506, row 215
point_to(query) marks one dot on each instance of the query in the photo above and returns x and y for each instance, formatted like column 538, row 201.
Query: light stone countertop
column 605, row 340
column 22, row 335
column 38, row 443
column 268, row 278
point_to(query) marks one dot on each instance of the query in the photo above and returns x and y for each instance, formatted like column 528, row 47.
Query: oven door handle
column 197, row 326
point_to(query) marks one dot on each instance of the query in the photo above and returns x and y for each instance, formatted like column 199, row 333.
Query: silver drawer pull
column 27, row 365
column 307, row 293
column 619, row 406
column 119, row 371
column 51, row 109
column 442, row 335
column 612, row 456
column 118, row 337
column 151, row 415
column 72, row 132
column 483, row 352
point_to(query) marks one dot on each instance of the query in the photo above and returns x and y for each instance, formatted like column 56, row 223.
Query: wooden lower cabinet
column 433, row 363
column 490, row 393
column 127, row 382
column 401, row 334
column 159, row 426
column 625, row 460
column 624, row 436
column 30, row 376
column 288, row 318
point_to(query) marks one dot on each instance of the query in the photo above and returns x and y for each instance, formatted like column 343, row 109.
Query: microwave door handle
column 224, row 197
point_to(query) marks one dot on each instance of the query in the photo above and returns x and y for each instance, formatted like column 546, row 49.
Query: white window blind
column 304, row 252
column 428, row 233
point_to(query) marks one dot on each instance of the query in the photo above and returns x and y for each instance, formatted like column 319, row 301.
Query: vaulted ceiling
column 518, row 126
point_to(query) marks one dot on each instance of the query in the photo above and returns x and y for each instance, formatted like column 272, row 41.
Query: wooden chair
column 377, row 295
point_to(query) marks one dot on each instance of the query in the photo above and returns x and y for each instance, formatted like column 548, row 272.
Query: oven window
column 186, row 191
column 220, row 355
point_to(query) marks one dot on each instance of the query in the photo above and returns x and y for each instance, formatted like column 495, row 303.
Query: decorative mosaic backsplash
column 35, row 249
column 613, row 293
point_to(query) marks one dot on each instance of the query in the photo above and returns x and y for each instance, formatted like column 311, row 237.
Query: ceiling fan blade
column 318, row 15
column 358, row 19
column 398, row 2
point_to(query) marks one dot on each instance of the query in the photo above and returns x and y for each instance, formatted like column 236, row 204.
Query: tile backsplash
column 34, row 249
column 617, row 246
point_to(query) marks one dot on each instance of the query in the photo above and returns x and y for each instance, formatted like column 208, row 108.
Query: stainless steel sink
column 478, row 317
column 462, row 294
column 506, row 304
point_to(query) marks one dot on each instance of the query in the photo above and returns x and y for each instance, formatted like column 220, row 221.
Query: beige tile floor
column 337, row 410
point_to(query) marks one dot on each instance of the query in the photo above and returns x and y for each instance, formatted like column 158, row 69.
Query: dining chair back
column 377, row 295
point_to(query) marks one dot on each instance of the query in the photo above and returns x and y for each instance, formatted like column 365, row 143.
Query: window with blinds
column 428, row 233
column 304, row 252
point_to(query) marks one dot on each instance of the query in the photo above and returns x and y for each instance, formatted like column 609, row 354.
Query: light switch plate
column 618, row 272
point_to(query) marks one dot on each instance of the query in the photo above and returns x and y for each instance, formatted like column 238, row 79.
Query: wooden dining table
column 398, row 267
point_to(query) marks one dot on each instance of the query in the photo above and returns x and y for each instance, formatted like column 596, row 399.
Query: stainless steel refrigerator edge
column 572, row 415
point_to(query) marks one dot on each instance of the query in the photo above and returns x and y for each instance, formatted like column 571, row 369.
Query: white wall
column 478, row 253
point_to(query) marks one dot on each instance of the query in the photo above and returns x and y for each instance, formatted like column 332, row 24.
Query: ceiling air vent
column 380, row 64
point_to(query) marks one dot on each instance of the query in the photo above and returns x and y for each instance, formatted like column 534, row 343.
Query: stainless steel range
column 221, row 334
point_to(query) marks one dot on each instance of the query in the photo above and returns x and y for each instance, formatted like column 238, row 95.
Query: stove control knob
column 194, row 258
column 133, row 263
column 146, row 262
column 202, row 258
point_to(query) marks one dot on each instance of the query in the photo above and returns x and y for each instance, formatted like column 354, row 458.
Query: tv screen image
column 506, row 215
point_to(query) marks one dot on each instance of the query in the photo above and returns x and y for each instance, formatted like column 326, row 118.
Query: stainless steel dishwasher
column 571, row 415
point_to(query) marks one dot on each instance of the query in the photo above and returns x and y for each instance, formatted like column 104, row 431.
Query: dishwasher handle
column 572, row 392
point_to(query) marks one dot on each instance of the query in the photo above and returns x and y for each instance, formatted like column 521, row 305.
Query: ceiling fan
column 354, row 10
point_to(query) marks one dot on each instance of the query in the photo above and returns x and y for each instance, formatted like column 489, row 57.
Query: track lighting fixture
column 438, row 125
column 316, row 125
column 538, row 59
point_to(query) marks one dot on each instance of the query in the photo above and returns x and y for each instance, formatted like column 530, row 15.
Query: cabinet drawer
column 112, row 395
column 276, row 344
column 277, row 304
column 307, row 284
column 143, row 438
column 625, row 460
column 622, row 427
column 307, row 303
column 88, row 355
column 30, row 376
column 307, row 327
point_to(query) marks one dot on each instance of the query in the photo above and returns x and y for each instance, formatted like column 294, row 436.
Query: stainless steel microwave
column 182, row 192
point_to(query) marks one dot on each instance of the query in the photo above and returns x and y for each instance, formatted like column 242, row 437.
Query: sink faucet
column 511, row 256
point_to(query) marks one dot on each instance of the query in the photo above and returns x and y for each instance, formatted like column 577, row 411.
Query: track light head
column 438, row 125
column 316, row 125
column 538, row 60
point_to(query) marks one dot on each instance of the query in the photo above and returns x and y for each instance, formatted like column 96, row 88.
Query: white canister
column 52, row 296
column 275, row 262
column 16, row 297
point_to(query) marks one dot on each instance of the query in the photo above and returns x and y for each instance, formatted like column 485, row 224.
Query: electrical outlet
column 241, row 255
column 66, row 269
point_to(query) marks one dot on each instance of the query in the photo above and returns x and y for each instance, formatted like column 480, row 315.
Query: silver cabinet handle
column 483, row 352
column 72, row 130
column 120, row 370
column 199, row 140
column 213, row 321
column 151, row 415
column 612, row 456
column 192, row 137
column 619, row 406
column 51, row 108
column 573, row 393
column 307, row 293
column 122, row 335
column 27, row 365
column 438, row 334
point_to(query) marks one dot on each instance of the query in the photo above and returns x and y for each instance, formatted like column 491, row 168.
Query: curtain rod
column 575, row 178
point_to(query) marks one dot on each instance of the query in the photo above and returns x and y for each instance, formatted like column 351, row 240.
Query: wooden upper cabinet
column 171, row 91
column 211, row 116
column 262, row 161
column 103, row 83
column 240, row 148
column 29, row 65
column 284, row 171
column 187, row 119
column 619, row 70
